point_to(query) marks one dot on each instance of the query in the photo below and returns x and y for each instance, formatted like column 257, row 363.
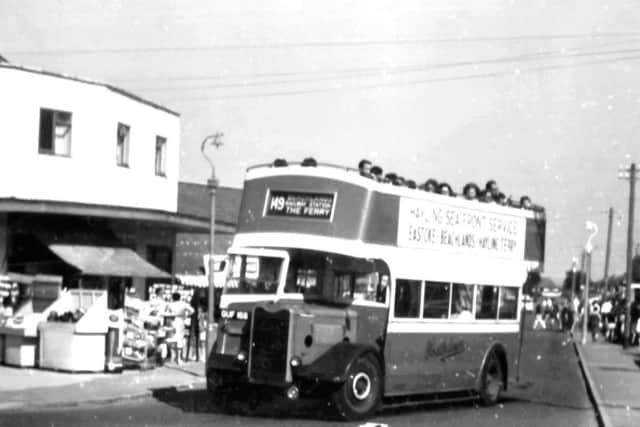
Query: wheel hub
column 361, row 386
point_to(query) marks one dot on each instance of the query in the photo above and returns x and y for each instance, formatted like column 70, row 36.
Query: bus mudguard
column 333, row 365
column 500, row 351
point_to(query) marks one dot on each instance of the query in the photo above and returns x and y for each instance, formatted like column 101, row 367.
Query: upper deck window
column 55, row 133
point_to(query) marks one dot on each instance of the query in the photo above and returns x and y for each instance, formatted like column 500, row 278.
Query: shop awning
column 106, row 261
column 194, row 280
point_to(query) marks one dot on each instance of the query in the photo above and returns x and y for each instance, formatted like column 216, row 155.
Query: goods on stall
column 139, row 343
column 33, row 296
column 67, row 316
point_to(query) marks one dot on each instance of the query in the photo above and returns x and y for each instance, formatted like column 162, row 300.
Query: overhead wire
column 557, row 54
column 323, row 44
column 336, row 72
column 469, row 76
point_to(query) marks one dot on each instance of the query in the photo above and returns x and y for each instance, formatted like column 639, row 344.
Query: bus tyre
column 359, row 396
column 491, row 380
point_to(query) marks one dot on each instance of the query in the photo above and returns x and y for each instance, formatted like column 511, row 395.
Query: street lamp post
column 213, row 140
column 574, row 267
column 588, row 247
column 573, row 308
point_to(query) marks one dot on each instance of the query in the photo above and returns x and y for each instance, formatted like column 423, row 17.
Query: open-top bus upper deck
column 335, row 209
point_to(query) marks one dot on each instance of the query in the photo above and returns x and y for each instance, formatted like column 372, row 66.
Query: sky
column 543, row 97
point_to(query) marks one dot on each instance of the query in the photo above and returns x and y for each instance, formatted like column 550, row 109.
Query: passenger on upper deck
column 309, row 161
column 470, row 191
column 445, row 189
column 486, row 196
column 430, row 185
column 492, row 187
column 364, row 166
column 411, row 184
column 278, row 163
column 390, row 178
column 525, row 202
column 376, row 171
column 399, row 181
column 501, row 199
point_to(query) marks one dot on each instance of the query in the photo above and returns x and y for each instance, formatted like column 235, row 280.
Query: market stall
column 73, row 337
column 89, row 330
column 35, row 296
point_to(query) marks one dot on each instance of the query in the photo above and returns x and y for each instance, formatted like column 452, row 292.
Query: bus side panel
column 433, row 362
column 372, row 321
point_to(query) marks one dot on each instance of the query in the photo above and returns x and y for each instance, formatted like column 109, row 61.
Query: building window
column 122, row 145
column 55, row 133
column 407, row 298
column 161, row 156
column 161, row 257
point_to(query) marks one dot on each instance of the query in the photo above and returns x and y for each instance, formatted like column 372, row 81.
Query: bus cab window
column 462, row 301
column 382, row 289
column 407, row 298
column 436, row 300
column 508, row 303
column 486, row 302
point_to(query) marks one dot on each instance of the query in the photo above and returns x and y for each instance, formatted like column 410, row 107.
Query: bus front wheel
column 359, row 396
column 491, row 380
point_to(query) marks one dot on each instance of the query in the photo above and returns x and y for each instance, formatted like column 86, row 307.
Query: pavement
column 613, row 377
column 26, row 388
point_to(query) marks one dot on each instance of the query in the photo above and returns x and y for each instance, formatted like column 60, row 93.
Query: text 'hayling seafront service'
column 423, row 224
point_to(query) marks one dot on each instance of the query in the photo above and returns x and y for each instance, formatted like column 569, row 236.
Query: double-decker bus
column 364, row 292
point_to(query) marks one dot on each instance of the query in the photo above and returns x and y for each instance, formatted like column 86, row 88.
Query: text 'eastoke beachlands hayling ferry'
column 364, row 292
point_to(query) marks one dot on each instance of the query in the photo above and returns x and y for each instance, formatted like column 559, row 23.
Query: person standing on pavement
column 594, row 320
column 181, row 311
column 539, row 321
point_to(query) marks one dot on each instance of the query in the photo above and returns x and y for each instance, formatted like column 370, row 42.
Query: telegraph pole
column 629, row 174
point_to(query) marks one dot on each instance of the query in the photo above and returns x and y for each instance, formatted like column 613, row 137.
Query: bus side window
column 436, row 300
column 486, row 302
column 462, row 301
column 407, row 298
column 508, row 303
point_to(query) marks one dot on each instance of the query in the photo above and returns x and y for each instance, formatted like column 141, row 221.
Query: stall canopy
column 194, row 280
column 106, row 261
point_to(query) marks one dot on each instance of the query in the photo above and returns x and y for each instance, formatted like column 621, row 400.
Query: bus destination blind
column 299, row 204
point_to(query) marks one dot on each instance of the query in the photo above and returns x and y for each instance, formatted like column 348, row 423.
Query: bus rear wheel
column 491, row 380
column 359, row 396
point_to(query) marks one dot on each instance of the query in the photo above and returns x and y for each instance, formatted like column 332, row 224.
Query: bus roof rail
column 329, row 165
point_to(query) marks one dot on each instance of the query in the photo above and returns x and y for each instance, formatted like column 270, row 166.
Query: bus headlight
column 242, row 356
column 295, row 362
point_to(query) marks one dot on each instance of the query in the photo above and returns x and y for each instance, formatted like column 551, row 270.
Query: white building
column 86, row 164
